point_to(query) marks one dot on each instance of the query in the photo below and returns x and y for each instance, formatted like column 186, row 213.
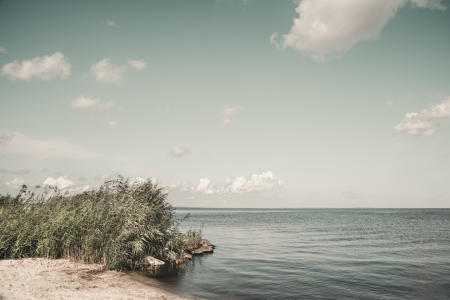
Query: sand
column 61, row 279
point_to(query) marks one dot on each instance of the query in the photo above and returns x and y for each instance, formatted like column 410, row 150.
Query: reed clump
column 117, row 225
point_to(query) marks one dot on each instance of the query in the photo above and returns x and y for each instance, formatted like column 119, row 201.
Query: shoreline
column 41, row 278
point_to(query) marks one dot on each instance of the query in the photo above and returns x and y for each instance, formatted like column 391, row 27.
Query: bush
column 117, row 225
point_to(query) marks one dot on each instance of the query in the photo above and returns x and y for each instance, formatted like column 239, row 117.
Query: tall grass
column 117, row 225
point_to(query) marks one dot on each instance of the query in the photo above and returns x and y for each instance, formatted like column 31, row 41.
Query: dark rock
column 205, row 247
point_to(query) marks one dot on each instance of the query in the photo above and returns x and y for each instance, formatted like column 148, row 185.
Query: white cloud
column 111, row 124
column 105, row 71
column 437, row 111
column 205, row 186
column 112, row 24
column 178, row 151
column 78, row 189
column 229, row 115
column 106, row 176
column 140, row 180
column 3, row 50
column 61, row 182
column 5, row 137
column 350, row 194
column 272, row 38
column 45, row 149
column 265, row 183
column 45, row 68
column 424, row 123
column 330, row 26
column 83, row 103
column 415, row 124
column 16, row 183
column 137, row 64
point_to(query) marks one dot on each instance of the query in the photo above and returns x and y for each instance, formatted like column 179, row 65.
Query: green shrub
column 117, row 225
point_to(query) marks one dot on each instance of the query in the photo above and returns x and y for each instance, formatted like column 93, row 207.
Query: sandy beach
column 62, row 279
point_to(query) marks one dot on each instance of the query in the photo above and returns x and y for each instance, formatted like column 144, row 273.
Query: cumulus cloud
column 112, row 24
column 265, row 183
column 107, row 72
column 416, row 124
column 137, row 64
column 350, row 194
column 83, row 103
column 78, row 189
column 5, row 137
column 22, row 144
column 230, row 115
column 205, row 186
column 106, row 176
column 140, row 180
column 178, row 151
column 45, row 68
column 3, row 50
column 330, row 26
column 425, row 122
column 61, row 182
column 16, row 183
column 437, row 111
column 18, row 172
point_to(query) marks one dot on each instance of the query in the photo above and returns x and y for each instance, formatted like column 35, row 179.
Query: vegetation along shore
column 119, row 226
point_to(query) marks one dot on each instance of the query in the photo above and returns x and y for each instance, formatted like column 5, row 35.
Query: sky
column 230, row 103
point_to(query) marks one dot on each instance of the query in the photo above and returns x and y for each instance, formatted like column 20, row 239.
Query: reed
column 116, row 225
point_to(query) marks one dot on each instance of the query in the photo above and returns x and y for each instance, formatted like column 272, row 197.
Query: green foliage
column 118, row 225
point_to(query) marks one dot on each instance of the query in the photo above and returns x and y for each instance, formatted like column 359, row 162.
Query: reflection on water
column 316, row 254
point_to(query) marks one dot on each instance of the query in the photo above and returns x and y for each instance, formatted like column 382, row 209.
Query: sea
column 316, row 254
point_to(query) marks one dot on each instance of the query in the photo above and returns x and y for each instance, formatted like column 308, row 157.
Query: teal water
column 319, row 254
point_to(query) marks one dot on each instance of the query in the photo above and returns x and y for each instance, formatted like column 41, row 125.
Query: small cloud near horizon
column 265, row 183
column 178, row 151
column 106, row 176
column 16, row 183
column 61, row 182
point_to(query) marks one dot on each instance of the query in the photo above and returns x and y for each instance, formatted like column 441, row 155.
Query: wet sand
column 62, row 279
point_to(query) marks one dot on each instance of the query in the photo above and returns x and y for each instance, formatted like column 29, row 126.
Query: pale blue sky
column 315, row 110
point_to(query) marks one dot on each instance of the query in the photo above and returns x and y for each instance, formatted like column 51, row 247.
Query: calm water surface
column 318, row 254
